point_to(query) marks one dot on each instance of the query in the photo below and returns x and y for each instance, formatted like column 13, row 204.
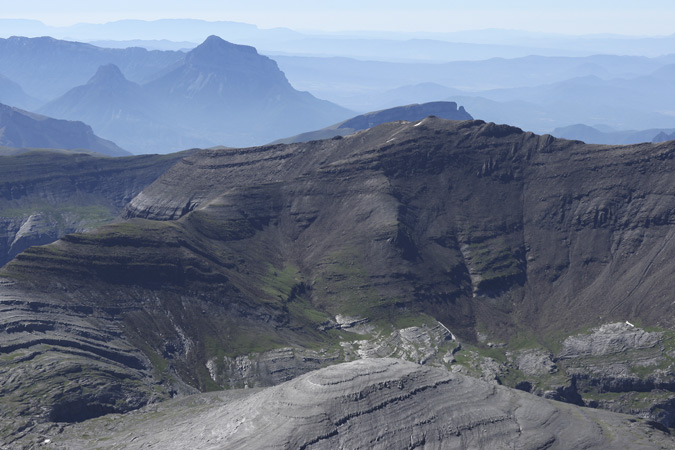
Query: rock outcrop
column 616, row 366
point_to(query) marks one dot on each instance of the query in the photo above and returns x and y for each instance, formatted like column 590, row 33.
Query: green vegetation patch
column 343, row 286
column 221, row 229
column 61, row 216
column 280, row 283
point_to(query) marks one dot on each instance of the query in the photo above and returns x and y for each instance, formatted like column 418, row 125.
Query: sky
column 646, row 17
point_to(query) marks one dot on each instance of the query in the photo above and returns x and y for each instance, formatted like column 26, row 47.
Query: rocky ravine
column 250, row 266
column 370, row 403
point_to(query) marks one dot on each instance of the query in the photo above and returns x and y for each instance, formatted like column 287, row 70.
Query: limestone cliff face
column 24, row 232
column 337, row 247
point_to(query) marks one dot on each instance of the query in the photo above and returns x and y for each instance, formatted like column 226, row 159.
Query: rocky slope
column 443, row 242
column 47, row 194
column 371, row 403
column 21, row 129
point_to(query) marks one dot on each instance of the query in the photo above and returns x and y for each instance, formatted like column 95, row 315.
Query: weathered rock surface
column 609, row 339
column 624, row 368
column 535, row 362
column 616, row 366
column 424, row 345
column 268, row 368
column 371, row 403
column 65, row 363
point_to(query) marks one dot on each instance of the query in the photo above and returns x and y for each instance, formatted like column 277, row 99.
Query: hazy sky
column 646, row 17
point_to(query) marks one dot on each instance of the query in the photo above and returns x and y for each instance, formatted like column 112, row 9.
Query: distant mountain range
column 593, row 135
column 226, row 94
column 343, row 79
column 20, row 128
column 218, row 93
column 373, row 45
column 48, row 67
column 12, row 93
column 535, row 93
column 124, row 111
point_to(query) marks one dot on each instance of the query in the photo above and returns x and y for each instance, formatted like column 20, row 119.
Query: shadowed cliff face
column 482, row 227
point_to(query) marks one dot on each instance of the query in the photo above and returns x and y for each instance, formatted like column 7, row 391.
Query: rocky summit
column 443, row 110
column 527, row 261
column 237, row 97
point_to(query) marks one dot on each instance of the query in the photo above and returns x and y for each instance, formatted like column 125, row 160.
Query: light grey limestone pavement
column 369, row 404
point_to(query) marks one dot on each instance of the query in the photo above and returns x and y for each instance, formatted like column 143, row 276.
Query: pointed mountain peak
column 215, row 50
column 214, row 40
column 108, row 74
